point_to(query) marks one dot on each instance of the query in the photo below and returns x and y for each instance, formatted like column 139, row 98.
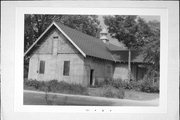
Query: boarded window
column 42, row 67
column 66, row 68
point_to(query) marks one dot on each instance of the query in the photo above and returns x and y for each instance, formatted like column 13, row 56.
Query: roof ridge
column 86, row 44
column 76, row 30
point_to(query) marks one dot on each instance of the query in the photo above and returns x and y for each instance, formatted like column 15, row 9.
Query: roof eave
column 53, row 23
column 69, row 39
column 38, row 39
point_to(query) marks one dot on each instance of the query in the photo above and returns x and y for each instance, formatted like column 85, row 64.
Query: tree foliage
column 152, row 48
column 136, row 33
column 133, row 31
column 35, row 24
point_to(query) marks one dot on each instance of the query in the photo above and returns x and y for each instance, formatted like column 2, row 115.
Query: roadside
column 137, row 95
column 129, row 94
column 41, row 98
column 62, row 93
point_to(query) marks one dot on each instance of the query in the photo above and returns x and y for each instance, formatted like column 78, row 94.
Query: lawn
column 129, row 94
column 39, row 98
column 33, row 98
column 136, row 95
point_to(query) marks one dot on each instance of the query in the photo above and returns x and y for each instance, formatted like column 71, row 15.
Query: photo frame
column 113, row 8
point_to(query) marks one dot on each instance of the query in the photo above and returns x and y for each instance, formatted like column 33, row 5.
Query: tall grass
column 140, row 85
column 55, row 86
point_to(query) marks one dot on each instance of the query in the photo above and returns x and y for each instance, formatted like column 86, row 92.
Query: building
column 66, row 54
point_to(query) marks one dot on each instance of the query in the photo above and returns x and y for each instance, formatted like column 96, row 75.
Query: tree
column 133, row 31
column 36, row 24
column 152, row 49
column 136, row 33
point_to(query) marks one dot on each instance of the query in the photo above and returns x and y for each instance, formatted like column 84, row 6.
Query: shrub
column 148, row 86
column 56, row 86
column 106, row 82
column 140, row 85
column 100, row 84
column 33, row 83
column 118, row 83
column 135, row 85
column 110, row 91
column 63, row 87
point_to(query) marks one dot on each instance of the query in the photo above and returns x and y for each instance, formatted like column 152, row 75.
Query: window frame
column 66, row 68
column 41, row 67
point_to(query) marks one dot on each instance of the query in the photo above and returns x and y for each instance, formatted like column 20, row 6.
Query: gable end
column 63, row 33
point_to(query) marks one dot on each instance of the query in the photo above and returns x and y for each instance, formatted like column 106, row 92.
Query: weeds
column 55, row 86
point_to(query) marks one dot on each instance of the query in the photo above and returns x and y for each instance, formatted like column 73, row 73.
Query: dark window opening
column 42, row 67
column 66, row 68
column 91, row 76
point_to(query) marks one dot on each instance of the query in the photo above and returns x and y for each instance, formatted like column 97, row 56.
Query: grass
column 66, row 88
column 140, row 85
column 34, row 98
column 39, row 99
column 129, row 94
column 137, row 95
column 104, row 91
column 55, row 86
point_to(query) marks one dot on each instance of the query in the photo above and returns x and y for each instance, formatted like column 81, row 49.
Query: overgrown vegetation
column 112, row 92
column 147, row 85
column 66, row 88
column 55, row 86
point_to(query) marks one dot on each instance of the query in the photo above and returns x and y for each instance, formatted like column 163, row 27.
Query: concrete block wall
column 54, row 63
column 99, row 67
column 54, row 67
column 121, row 71
column 63, row 44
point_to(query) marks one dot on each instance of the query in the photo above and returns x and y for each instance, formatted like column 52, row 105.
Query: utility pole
column 129, row 65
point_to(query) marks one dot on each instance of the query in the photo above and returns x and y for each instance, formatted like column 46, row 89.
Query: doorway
column 91, row 77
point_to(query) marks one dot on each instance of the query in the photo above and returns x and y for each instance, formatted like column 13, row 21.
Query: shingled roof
column 91, row 46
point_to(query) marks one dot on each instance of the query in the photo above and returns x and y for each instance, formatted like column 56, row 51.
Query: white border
column 19, row 32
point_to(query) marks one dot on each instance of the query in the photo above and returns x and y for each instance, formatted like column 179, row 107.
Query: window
column 66, row 68
column 42, row 67
column 55, row 45
column 108, row 70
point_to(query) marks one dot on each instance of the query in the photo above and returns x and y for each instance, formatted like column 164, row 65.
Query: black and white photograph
column 84, row 60
column 91, row 60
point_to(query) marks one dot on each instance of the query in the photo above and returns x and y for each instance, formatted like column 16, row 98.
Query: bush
column 64, row 87
column 141, row 85
column 56, row 86
column 148, row 87
column 118, row 83
column 34, row 83
column 112, row 92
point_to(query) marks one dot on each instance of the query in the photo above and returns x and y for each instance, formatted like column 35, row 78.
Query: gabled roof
column 91, row 46
column 44, row 33
column 87, row 45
